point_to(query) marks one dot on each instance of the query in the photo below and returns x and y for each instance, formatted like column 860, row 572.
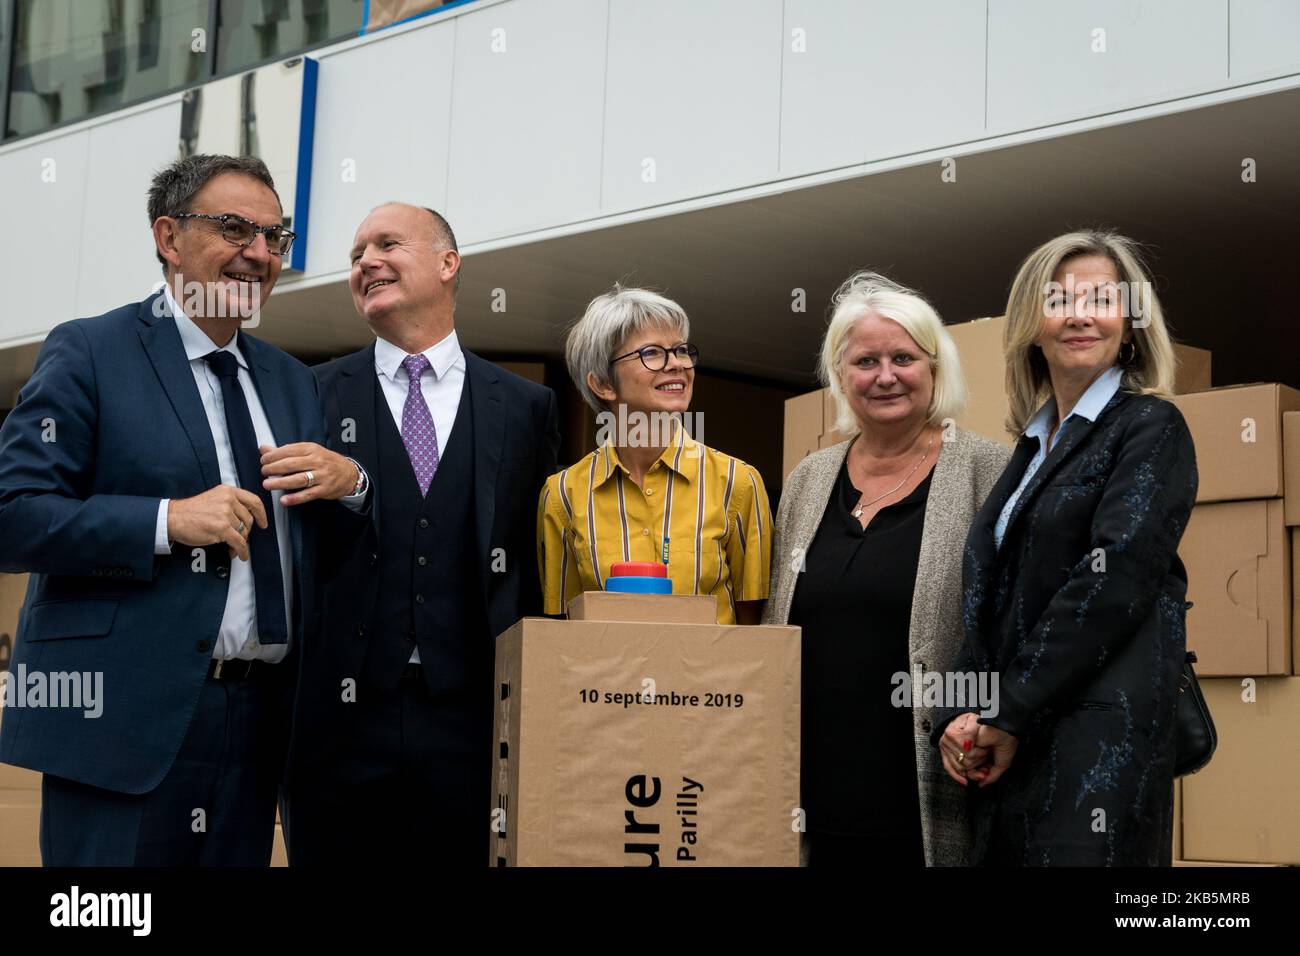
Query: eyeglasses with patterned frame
column 239, row 231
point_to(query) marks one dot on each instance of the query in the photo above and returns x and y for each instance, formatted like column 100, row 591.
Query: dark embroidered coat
column 1082, row 614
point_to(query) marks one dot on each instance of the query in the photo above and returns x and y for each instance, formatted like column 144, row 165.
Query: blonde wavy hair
column 867, row 292
column 1148, row 371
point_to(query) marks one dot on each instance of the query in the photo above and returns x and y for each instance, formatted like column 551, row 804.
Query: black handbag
column 1194, row 735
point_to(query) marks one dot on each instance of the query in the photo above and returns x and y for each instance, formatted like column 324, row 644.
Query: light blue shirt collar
column 1089, row 406
column 194, row 339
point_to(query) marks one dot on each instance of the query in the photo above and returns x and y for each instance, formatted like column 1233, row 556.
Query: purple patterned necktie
column 418, row 436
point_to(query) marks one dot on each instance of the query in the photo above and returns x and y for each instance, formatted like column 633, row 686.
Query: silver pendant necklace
column 864, row 505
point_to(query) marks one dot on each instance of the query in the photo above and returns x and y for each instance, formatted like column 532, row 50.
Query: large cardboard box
column 1238, row 562
column 20, row 822
column 18, row 778
column 1242, row 806
column 809, row 426
column 1291, row 466
column 1238, row 435
column 13, row 588
column 635, row 744
column 1295, row 599
column 979, row 344
column 801, row 430
column 1209, row 863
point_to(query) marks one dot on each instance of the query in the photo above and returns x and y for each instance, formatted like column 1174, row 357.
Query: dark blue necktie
column 263, row 545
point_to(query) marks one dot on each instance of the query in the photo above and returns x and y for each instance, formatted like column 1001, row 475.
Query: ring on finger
column 239, row 528
column 961, row 758
column 311, row 480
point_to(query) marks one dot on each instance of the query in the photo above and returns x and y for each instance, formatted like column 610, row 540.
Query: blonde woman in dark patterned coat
column 1073, row 589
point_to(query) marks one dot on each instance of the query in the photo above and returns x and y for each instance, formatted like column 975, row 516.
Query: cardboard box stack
column 809, row 426
column 1236, row 546
column 1239, row 550
column 628, row 741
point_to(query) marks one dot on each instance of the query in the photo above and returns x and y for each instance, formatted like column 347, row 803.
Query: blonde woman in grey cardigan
column 867, row 560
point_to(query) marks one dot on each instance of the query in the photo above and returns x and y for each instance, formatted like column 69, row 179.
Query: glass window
column 253, row 31
column 73, row 58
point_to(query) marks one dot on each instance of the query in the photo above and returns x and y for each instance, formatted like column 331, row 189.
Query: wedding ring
column 239, row 528
column 961, row 758
column 311, row 479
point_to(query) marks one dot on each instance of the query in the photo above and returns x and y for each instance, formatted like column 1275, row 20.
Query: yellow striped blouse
column 703, row 512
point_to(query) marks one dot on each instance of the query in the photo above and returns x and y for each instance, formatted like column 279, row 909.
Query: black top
column 854, row 603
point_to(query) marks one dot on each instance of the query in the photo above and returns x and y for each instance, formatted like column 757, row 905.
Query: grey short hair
column 174, row 187
column 869, row 292
column 610, row 320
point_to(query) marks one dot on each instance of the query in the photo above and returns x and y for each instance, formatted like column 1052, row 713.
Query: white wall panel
column 694, row 87
column 1042, row 67
column 117, row 248
column 1265, row 38
column 43, row 195
column 382, row 114
column 526, row 117
column 868, row 80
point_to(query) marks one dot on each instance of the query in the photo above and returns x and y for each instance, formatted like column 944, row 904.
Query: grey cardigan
column 968, row 467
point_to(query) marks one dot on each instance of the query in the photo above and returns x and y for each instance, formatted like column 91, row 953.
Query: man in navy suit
column 393, row 736
column 159, row 479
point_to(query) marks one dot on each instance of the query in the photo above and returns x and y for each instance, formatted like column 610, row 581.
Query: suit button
column 925, row 726
column 423, row 522
column 203, row 646
column 223, row 572
column 361, row 630
column 374, row 559
column 419, row 599
column 421, row 560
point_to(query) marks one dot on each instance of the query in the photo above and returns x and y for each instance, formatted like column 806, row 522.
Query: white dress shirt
column 440, row 384
column 1089, row 406
column 237, row 638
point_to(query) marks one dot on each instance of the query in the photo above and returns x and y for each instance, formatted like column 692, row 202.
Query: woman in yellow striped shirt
column 650, row 492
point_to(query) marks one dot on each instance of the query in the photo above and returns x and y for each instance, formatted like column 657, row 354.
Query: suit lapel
column 1073, row 435
column 162, row 343
column 274, row 400
column 489, row 438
